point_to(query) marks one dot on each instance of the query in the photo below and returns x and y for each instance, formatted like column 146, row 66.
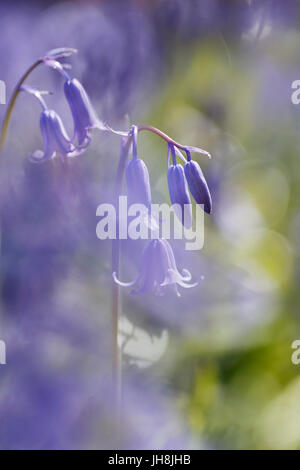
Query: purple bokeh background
column 55, row 274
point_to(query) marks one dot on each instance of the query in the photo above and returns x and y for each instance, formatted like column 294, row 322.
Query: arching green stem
column 12, row 101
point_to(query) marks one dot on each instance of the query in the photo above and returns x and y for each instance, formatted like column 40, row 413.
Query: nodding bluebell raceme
column 158, row 267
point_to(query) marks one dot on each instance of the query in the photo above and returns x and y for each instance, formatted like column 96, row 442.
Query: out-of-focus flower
column 179, row 193
column 198, row 185
column 158, row 270
column 84, row 115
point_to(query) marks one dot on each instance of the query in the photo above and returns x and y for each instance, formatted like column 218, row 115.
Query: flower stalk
column 12, row 102
column 115, row 305
column 158, row 270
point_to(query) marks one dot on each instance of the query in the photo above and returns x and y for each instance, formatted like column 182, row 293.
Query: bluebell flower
column 55, row 138
column 138, row 182
column 137, row 176
column 84, row 115
column 198, row 185
column 158, row 270
column 179, row 193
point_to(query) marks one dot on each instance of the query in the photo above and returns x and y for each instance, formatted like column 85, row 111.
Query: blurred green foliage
column 233, row 377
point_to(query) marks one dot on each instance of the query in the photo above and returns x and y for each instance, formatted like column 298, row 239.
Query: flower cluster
column 158, row 268
column 55, row 137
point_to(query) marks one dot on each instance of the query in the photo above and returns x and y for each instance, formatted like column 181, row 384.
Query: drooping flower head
column 84, row 115
column 158, row 270
column 179, row 193
column 55, row 137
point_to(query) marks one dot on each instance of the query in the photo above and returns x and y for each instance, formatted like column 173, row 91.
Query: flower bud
column 138, row 182
column 179, row 194
column 84, row 115
column 198, row 185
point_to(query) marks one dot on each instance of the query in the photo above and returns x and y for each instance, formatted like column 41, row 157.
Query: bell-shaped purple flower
column 158, row 270
column 55, row 137
column 137, row 176
column 138, row 182
column 179, row 194
column 84, row 115
column 198, row 185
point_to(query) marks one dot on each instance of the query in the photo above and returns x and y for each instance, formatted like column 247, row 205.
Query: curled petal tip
column 183, row 282
column 186, row 285
column 120, row 283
